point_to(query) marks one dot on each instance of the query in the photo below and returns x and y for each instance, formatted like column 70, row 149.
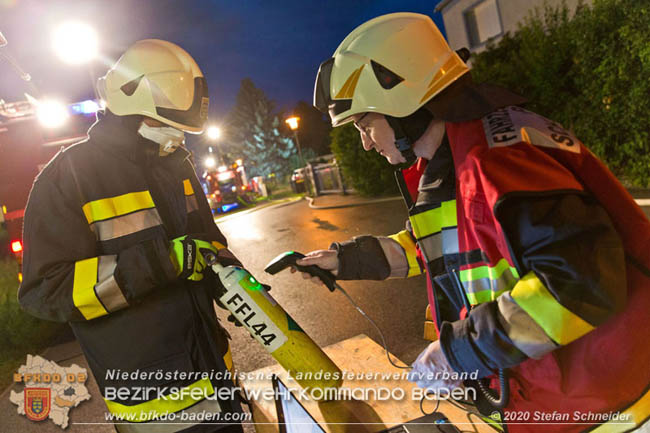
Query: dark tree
column 255, row 132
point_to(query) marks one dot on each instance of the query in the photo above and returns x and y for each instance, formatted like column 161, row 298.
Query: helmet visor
column 322, row 95
column 197, row 114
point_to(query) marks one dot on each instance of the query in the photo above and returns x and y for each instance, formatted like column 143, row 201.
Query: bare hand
column 324, row 259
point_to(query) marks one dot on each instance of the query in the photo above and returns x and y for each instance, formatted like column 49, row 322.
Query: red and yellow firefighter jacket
column 537, row 261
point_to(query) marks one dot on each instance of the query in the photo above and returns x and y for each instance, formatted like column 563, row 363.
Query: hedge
column 589, row 71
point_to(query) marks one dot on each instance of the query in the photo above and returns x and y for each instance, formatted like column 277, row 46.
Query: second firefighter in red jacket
column 536, row 257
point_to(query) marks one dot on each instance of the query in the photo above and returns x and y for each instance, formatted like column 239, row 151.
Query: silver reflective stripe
column 524, row 332
column 191, row 203
column 431, row 246
column 396, row 257
column 107, row 290
column 126, row 224
column 205, row 406
column 504, row 282
column 450, row 241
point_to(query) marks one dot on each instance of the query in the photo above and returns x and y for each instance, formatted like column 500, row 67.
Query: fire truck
column 226, row 186
column 27, row 143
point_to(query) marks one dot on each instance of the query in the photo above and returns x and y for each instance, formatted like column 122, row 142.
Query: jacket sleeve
column 64, row 278
column 377, row 257
column 208, row 228
column 573, row 268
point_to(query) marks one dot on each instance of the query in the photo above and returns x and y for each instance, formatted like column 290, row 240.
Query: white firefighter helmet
column 160, row 80
column 392, row 65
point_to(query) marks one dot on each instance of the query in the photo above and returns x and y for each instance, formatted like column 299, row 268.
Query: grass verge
column 21, row 334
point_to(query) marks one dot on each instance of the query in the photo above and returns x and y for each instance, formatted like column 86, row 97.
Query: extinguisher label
column 260, row 326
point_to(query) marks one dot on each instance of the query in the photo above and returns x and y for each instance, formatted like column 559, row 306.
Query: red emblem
column 37, row 403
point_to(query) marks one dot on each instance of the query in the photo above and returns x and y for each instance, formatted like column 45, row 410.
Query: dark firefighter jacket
column 524, row 235
column 98, row 224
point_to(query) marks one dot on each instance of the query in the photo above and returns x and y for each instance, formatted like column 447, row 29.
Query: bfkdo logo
column 37, row 403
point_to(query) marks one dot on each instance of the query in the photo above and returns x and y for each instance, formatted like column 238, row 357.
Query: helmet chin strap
column 402, row 141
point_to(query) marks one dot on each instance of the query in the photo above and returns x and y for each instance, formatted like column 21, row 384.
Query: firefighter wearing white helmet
column 365, row 70
column 160, row 81
column 522, row 232
column 114, row 236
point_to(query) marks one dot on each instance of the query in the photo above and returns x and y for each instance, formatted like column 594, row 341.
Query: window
column 483, row 22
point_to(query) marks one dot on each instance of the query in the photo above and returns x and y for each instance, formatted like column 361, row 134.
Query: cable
column 372, row 322
column 501, row 401
column 422, row 401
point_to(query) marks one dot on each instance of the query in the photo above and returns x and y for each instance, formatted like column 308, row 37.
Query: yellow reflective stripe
column 171, row 403
column 406, row 241
column 426, row 223
column 227, row 359
column 83, row 289
column 347, row 91
column 218, row 246
column 187, row 187
column 483, row 296
column 559, row 323
column 629, row 418
column 448, row 213
column 433, row 220
column 115, row 206
column 493, row 273
column 452, row 69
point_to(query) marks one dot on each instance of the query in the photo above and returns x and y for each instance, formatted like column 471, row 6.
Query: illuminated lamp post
column 293, row 125
column 214, row 133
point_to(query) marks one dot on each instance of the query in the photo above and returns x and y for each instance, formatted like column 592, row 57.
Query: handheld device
column 251, row 304
column 289, row 258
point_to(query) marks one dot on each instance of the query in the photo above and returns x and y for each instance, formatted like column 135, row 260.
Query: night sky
column 278, row 44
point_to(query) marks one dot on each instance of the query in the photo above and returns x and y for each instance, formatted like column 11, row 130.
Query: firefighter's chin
column 394, row 159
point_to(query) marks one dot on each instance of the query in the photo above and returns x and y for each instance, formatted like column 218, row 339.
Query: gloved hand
column 186, row 253
column 324, row 259
column 430, row 369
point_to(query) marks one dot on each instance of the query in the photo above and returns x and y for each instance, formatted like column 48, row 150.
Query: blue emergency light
column 85, row 107
column 227, row 207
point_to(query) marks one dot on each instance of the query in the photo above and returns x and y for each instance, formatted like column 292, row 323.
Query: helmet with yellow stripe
column 159, row 80
column 393, row 65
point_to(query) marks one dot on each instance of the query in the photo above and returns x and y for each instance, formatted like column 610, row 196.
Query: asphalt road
column 397, row 306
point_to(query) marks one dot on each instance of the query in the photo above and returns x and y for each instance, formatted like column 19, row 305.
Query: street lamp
column 75, row 42
column 213, row 132
column 209, row 162
column 293, row 125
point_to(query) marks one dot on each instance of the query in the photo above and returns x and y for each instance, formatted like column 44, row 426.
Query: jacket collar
column 464, row 100
column 118, row 135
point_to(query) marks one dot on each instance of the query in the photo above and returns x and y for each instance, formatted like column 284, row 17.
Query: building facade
column 473, row 23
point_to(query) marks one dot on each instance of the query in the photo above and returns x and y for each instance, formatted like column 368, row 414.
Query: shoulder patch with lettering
column 512, row 125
